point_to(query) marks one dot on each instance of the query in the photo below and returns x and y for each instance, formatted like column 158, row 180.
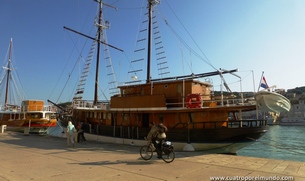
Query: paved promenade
column 34, row 157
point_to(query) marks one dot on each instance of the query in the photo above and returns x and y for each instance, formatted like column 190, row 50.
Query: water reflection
column 280, row 142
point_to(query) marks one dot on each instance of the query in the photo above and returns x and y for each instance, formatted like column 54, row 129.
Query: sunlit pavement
column 36, row 157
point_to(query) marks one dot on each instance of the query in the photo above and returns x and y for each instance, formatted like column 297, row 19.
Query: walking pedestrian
column 70, row 134
column 81, row 131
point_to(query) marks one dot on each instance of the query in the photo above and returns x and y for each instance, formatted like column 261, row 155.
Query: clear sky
column 251, row 35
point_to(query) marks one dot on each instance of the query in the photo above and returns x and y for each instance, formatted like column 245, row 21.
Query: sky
column 254, row 36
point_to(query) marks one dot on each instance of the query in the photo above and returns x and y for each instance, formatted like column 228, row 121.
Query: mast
column 8, row 73
column 99, row 41
column 151, row 4
column 98, row 53
column 100, row 29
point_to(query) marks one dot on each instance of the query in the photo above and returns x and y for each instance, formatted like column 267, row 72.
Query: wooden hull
column 223, row 140
column 273, row 102
column 35, row 126
column 220, row 147
column 203, row 129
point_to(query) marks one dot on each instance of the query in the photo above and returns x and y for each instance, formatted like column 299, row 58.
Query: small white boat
column 272, row 102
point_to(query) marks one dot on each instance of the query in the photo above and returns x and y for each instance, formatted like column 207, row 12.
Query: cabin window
column 95, row 114
column 109, row 115
column 50, row 116
column 161, row 118
column 145, row 120
column 36, row 115
column 126, row 117
column 166, row 86
column 179, row 89
column 16, row 116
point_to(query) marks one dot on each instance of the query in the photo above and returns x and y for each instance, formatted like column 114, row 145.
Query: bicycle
column 168, row 153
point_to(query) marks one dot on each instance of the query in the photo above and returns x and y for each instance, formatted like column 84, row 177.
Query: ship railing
column 89, row 104
column 37, row 108
column 247, row 123
column 205, row 103
column 135, row 132
column 225, row 124
column 233, row 102
column 49, row 108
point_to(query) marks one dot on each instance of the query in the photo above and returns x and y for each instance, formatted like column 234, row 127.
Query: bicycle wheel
column 146, row 152
column 169, row 157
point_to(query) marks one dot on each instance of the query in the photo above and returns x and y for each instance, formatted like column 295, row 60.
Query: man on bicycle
column 157, row 135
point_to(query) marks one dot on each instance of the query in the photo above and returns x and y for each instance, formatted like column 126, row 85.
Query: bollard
column 26, row 131
column 3, row 128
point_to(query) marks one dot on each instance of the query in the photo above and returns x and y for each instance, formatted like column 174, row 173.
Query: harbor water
column 280, row 142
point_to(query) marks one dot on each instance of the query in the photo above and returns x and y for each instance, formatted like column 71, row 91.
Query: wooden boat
column 195, row 119
column 272, row 101
column 31, row 115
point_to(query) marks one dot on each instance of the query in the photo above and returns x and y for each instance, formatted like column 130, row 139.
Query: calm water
column 280, row 142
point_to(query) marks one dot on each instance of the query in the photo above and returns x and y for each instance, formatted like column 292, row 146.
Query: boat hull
column 39, row 126
column 231, row 146
column 273, row 102
column 226, row 140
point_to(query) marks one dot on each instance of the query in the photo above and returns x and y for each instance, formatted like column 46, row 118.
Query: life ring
column 191, row 103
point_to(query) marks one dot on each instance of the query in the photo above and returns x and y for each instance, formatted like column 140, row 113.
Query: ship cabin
column 163, row 95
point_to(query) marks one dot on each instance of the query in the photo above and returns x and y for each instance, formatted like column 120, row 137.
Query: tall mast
column 98, row 52
column 151, row 4
column 99, row 40
column 8, row 72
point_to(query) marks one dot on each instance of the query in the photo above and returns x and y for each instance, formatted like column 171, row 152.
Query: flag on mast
column 264, row 83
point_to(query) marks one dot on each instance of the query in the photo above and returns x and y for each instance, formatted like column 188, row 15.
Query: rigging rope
column 131, row 67
column 69, row 58
column 206, row 59
column 17, row 93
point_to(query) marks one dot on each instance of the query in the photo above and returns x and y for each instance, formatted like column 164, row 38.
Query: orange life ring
column 191, row 103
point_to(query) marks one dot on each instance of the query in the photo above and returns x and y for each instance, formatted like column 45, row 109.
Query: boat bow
column 272, row 101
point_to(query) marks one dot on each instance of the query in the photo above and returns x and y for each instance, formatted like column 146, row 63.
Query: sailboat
column 196, row 120
column 30, row 116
